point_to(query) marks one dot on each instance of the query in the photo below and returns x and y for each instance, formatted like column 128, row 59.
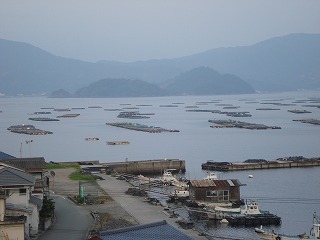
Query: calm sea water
column 293, row 194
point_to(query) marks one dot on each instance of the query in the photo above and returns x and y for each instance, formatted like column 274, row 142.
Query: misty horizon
column 128, row 31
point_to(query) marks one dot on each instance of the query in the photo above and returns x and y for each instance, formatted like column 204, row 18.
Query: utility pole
column 29, row 142
column 20, row 150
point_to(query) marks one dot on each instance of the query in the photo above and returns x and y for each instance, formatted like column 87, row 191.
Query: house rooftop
column 13, row 177
column 27, row 164
column 215, row 183
column 5, row 156
column 156, row 231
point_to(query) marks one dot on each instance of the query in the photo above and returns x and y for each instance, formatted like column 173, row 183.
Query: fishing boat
column 227, row 210
column 211, row 176
column 251, row 215
column 168, row 179
column 314, row 232
column 167, row 176
column 252, row 209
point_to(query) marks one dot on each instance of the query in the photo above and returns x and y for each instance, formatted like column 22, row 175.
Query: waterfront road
column 143, row 212
column 71, row 221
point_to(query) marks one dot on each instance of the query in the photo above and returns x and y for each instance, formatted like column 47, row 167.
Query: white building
column 16, row 187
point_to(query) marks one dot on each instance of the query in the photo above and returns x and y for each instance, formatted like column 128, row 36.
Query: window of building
column 23, row 191
column 218, row 195
column 211, row 193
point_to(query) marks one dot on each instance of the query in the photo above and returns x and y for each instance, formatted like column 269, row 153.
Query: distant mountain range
column 284, row 63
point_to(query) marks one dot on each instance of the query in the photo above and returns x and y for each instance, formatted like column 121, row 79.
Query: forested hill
column 289, row 62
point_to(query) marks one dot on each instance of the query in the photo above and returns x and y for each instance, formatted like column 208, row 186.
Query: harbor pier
column 147, row 167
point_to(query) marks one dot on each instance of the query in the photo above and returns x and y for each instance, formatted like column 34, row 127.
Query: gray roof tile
column 13, row 177
column 26, row 164
column 156, row 231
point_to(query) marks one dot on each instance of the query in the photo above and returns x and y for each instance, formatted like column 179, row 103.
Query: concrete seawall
column 148, row 166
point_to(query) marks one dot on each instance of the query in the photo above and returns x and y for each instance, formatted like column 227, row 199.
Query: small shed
column 220, row 191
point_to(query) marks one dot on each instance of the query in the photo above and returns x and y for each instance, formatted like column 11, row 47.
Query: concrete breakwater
column 261, row 164
column 147, row 166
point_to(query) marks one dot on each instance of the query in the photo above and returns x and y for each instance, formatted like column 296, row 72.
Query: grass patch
column 82, row 176
column 76, row 175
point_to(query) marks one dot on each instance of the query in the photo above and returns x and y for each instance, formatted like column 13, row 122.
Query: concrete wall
column 148, row 167
column 12, row 231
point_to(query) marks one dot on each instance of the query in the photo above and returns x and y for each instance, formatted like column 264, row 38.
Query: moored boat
column 211, row 176
column 314, row 232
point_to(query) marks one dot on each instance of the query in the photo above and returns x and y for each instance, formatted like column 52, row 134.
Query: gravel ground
column 109, row 214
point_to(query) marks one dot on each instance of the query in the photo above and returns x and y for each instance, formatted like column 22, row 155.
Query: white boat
column 251, row 209
column 227, row 210
column 211, row 176
column 168, row 179
column 314, row 232
column 181, row 193
column 167, row 176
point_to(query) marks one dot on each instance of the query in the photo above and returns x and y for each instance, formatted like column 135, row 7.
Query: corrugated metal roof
column 215, row 183
column 231, row 183
column 156, row 231
column 202, row 183
column 13, row 177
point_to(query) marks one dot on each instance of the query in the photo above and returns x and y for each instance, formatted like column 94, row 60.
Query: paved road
column 143, row 212
column 72, row 221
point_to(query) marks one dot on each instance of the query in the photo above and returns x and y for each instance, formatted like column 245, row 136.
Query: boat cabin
column 220, row 191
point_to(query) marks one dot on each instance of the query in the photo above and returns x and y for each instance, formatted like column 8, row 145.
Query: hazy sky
column 131, row 30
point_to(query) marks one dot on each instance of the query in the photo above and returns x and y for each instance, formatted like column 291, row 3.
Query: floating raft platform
column 140, row 127
column 261, row 164
column 118, row 142
column 27, row 129
column 71, row 115
column 309, row 121
column 91, row 139
column 43, row 119
column 238, row 124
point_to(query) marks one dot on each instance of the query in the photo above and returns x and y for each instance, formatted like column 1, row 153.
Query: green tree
column 47, row 208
